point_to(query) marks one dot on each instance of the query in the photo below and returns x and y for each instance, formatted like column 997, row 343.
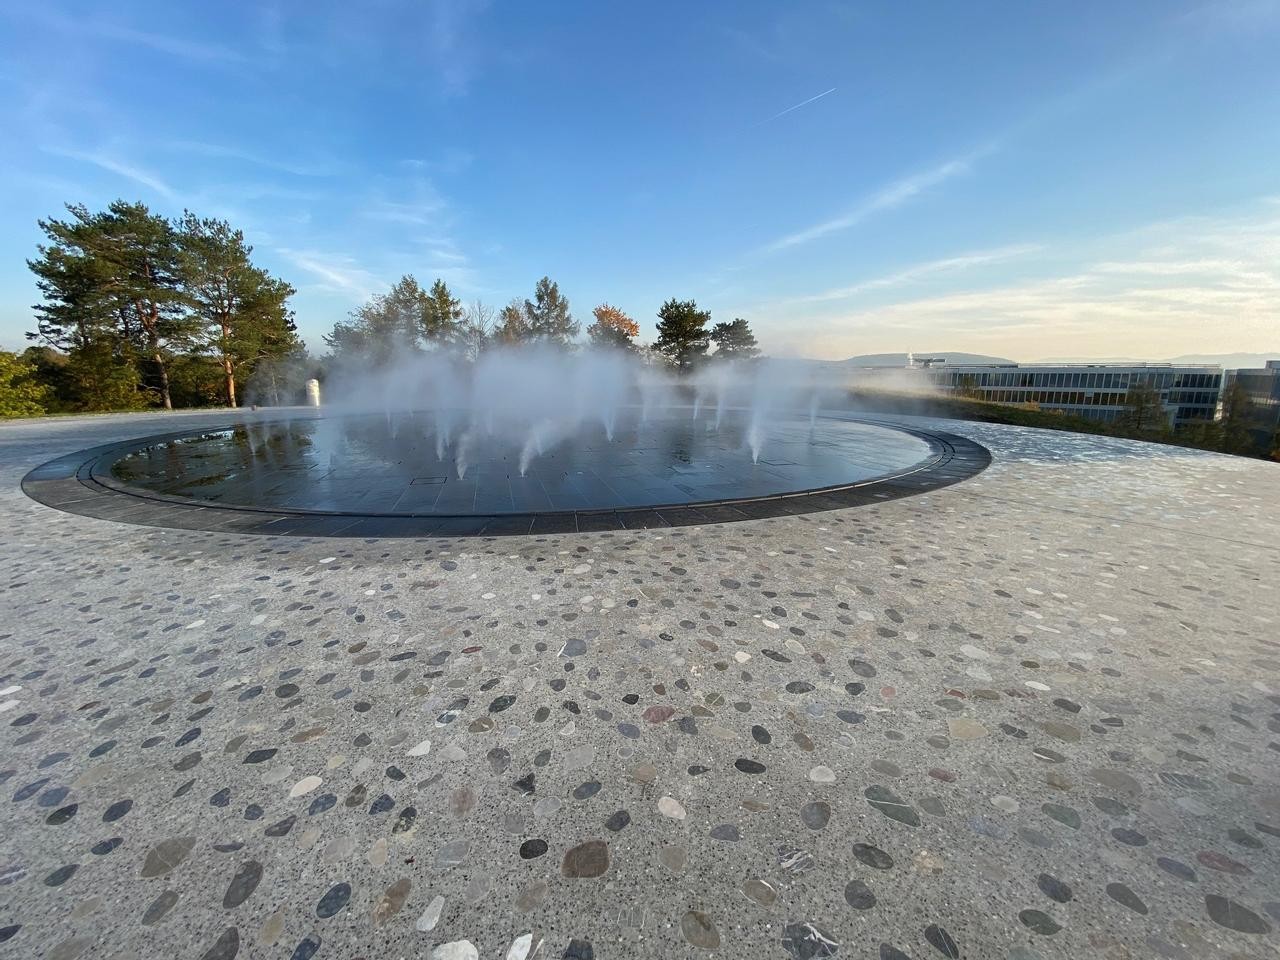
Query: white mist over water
column 532, row 399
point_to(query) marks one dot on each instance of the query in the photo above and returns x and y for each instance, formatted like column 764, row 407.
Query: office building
column 1095, row 391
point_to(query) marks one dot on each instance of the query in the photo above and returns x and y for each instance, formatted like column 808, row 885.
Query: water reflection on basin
column 421, row 464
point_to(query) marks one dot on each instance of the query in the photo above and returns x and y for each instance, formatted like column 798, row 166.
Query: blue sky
column 1027, row 180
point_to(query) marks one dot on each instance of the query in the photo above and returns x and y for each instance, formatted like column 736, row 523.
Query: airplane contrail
column 802, row 103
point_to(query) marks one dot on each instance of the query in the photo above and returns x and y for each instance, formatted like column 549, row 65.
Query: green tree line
column 139, row 310
column 410, row 318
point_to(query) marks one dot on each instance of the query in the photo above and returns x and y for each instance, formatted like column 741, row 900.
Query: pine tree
column 682, row 332
column 112, row 281
column 442, row 315
column 140, row 254
column 734, row 340
column 72, row 312
column 547, row 315
column 388, row 325
column 243, row 309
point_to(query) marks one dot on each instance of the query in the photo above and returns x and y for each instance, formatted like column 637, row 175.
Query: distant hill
column 1228, row 361
column 900, row 359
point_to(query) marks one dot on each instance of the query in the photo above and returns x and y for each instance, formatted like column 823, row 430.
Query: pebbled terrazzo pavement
column 1036, row 714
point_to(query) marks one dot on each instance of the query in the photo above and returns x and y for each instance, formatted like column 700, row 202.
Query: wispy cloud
column 181, row 47
column 411, row 200
column 119, row 168
column 445, row 253
column 1233, row 16
column 763, row 49
column 887, row 197
column 420, row 214
column 337, row 272
column 449, row 35
column 783, row 35
column 907, row 188
column 450, row 161
column 352, row 281
column 802, row 103
column 219, row 151
column 1194, row 285
column 174, row 46
column 921, row 272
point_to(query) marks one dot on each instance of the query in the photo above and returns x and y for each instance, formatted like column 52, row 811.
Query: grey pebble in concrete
column 1034, row 714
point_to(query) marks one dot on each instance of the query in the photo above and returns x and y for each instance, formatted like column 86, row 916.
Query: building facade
column 1094, row 391
column 1263, row 390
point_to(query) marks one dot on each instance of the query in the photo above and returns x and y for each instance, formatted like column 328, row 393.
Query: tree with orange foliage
column 612, row 328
